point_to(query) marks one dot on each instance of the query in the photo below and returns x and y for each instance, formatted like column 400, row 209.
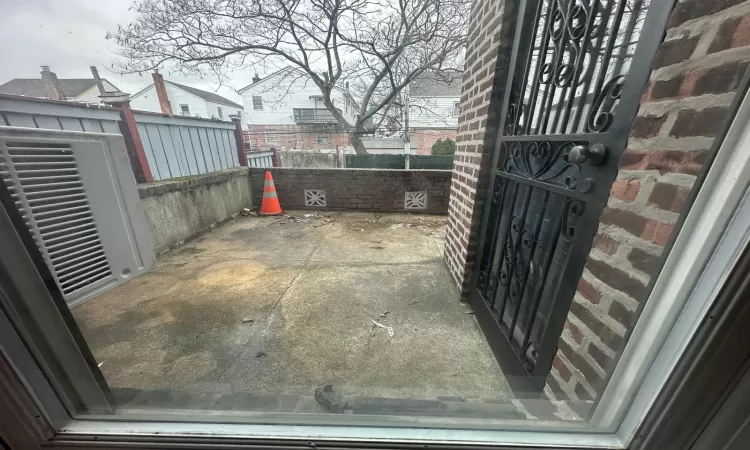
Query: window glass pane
column 492, row 266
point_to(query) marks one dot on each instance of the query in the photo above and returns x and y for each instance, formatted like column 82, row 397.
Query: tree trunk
column 355, row 139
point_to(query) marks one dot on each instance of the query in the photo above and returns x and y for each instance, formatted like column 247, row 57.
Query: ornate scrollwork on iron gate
column 570, row 63
column 572, row 75
column 544, row 161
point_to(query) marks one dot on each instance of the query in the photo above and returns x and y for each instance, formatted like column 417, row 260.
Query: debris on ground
column 247, row 320
column 413, row 302
column 385, row 327
column 396, row 225
column 260, row 354
column 307, row 216
column 100, row 364
column 384, row 313
column 389, row 271
column 469, row 312
column 245, row 211
column 329, row 400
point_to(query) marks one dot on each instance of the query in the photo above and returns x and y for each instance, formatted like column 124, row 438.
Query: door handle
column 596, row 153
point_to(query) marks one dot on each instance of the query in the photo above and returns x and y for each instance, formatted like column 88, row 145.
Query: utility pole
column 407, row 143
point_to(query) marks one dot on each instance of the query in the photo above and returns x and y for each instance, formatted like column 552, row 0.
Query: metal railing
column 313, row 115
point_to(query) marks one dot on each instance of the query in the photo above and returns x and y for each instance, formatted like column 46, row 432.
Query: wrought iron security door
column 578, row 68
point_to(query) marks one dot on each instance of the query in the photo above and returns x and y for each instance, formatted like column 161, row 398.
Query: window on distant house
column 322, row 138
column 220, row 112
column 185, row 110
column 257, row 103
column 456, row 109
column 272, row 138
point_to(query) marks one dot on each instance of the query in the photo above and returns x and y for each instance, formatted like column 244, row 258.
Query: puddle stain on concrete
column 187, row 334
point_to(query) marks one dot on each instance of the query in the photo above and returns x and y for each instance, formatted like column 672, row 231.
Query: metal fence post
column 241, row 154
column 136, row 152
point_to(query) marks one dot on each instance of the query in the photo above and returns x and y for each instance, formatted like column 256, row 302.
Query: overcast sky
column 69, row 36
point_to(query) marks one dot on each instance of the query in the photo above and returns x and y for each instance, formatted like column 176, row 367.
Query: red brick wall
column 686, row 103
column 293, row 137
column 487, row 53
column 356, row 189
column 426, row 138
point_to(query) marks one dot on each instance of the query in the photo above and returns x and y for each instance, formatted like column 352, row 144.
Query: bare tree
column 379, row 46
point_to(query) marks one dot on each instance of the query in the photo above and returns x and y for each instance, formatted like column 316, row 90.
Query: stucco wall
column 177, row 211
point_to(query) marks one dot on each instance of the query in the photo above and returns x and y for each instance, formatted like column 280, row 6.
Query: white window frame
column 272, row 137
column 714, row 234
column 456, row 109
column 185, row 110
column 257, row 103
column 322, row 137
column 220, row 113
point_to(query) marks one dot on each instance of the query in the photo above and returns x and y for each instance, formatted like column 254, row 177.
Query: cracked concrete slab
column 307, row 289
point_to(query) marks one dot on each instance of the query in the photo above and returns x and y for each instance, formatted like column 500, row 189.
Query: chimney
column 256, row 78
column 51, row 84
column 161, row 92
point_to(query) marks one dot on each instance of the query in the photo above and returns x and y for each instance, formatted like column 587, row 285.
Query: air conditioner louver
column 44, row 180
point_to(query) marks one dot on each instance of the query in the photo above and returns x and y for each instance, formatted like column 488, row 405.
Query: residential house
column 285, row 111
column 434, row 107
column 83, row 90
column 168, row 97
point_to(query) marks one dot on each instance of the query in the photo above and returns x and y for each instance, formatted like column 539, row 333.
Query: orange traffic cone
column 270, row 205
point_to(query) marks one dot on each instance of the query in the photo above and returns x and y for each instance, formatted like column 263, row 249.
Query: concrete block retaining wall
column 178, row 210
column 357, row 189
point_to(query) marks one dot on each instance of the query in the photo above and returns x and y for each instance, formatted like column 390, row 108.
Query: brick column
column 694, row 79
column 136, row 152
column 488, row 52
column 239, row 140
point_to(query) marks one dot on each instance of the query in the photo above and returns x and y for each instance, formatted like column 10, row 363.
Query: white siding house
column 187, row 101
column 435, row 101
column 290, row 97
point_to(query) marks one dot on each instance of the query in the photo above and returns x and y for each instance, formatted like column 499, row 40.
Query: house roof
column 33, row 87
column 436, row 84
column 264, row 79
column 208, row 96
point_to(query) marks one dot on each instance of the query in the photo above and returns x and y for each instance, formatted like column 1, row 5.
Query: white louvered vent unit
column 81, row 208
column 46, row 186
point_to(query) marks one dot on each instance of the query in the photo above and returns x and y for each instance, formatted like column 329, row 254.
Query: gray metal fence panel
column 260, row 159
column 54, row 115
column 175, row 146
column 184, row 146
column 206, row 149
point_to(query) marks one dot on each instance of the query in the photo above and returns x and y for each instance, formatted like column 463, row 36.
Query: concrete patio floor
column 278, row 306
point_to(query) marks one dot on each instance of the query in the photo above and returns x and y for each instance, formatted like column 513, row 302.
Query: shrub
column 444, row 147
